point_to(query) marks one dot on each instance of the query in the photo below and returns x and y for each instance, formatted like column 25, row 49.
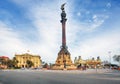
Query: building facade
column 3, row 62
column 89, row 63
column 22, row 60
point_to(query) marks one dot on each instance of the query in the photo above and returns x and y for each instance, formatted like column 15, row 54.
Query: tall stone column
column 63, row 21
column 63, row 60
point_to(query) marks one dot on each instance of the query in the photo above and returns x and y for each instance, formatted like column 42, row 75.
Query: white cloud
column 94, row 17
column 45, row 17
column 108, row 5
column 98, row 20
column 98, row 46
column 78, row 14
column 9, row 41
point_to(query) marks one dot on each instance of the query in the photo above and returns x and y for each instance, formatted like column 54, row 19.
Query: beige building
column 89, row 63
column 22, row 60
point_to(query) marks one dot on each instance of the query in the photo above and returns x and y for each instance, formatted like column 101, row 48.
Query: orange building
column 3, row 62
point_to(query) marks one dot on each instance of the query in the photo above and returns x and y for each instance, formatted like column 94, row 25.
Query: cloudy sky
column 92, row 27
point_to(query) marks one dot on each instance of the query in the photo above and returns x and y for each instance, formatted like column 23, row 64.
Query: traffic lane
column 54, row 78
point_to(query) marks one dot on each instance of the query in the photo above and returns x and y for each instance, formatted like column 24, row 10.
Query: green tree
column 117, row 58
column 45, row 65
column 29, row 63
column 3, row 61
column 14, row 61
column 10, row 64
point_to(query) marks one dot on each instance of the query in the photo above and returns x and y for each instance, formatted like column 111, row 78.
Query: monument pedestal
column 64, row 61
column 64, row 69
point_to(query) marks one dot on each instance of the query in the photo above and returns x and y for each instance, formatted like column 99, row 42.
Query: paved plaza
column 59, row 77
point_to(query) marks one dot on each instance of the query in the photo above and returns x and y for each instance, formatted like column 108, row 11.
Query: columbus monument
column 63, row 60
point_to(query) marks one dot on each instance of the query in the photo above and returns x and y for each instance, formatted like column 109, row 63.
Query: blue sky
column 92, row 28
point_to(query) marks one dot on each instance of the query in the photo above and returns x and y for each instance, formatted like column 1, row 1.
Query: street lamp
column 109, row 59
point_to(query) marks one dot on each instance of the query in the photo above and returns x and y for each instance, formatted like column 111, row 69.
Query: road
column 57, row 77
